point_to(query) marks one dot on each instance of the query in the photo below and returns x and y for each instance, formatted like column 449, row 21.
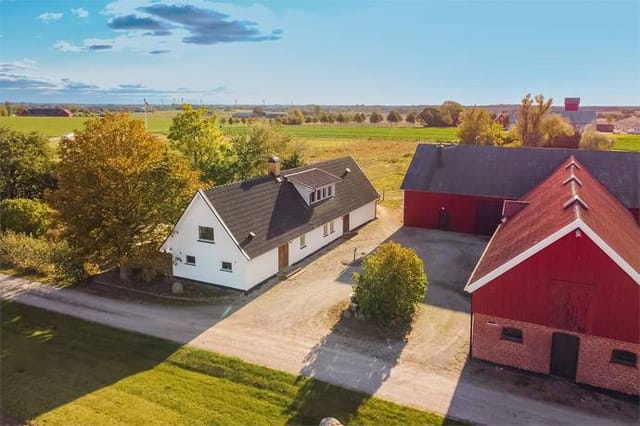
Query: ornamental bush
column 392, row 284
column 53, row 259
column 25, row 216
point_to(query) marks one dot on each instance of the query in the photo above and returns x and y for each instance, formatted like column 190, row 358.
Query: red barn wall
column 421, row 210
column 604, row 299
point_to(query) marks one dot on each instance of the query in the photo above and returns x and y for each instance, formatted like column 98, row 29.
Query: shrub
column 25, row 216
column 51, row 258
column 392, row 285
column 593, row 140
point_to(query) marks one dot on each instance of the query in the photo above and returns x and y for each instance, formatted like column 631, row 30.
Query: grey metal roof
column 276, row 213
column 512, row 172
column 579, row 118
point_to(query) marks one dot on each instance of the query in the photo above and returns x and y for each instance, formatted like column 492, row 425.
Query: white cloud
column 80, row 12
column 65, row 46
column 50, row 16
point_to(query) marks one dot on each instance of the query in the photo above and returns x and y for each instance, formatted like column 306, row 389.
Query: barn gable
column 569, row 200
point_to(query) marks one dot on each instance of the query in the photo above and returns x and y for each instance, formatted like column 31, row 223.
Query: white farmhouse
column 240, row 234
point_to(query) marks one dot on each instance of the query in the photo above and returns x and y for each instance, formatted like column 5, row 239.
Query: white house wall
column 362, row 215
column 261, row 267
column 315, row 240
column 209, row 256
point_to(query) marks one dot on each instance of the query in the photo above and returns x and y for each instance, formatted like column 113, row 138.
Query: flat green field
column 390, row 133
column 60, row 370
column 626, row 142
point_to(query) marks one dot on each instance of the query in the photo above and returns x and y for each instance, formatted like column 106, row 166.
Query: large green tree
column 557, row 132
column 529, row 121
column 453, row 110
column 197, row 135
column 593, row 140
column 392, row 285
column 394, row 116
column 261, row 141
column 26, row 167
column 477, row 128
column 120, row 190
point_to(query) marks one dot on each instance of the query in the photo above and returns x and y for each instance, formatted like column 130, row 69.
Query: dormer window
column 314, row 185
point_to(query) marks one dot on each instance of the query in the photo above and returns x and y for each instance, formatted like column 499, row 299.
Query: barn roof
column 570, row 198
column 274, row 210
column 512, row 172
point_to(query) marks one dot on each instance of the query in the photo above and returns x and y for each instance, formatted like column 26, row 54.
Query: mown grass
column 61, row 370
column 626, row 142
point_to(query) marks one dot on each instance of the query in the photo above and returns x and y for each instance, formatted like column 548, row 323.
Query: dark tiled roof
column 313, row 178
column 276, row 212
column 512, row 172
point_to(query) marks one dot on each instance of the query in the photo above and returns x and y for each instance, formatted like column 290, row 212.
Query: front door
column 283, row 256
column 345, row 223
column 488, row 215
column 564, row 355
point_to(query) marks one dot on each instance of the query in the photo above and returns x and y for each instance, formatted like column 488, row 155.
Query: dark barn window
column 205, row 233
column 624, row 357
column 511, row 334
column 191, row 260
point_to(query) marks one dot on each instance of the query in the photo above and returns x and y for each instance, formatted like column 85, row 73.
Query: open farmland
column 399, row 133
column 626, row 142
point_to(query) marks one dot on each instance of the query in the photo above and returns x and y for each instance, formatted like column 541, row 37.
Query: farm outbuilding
column 557, row 289
column 46, row 112
column 462, row 188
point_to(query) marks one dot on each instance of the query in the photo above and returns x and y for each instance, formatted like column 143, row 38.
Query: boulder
column 330, row 421
column 177, row 288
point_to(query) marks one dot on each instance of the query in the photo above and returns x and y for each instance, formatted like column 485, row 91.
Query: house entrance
column 283, row 256
column 564, row 355
column 345, row 223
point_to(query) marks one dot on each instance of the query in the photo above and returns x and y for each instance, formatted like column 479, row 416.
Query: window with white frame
column 227, row 266
column 325, row 229
column 332, row 228
column 303, row 241
column 205, row 233
column 320, row 194
column 190, row 260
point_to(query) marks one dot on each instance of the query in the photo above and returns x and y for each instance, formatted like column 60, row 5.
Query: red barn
column 462, row 188
column 557, row 290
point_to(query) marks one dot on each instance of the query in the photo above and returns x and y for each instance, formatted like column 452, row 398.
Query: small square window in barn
column 205, row 233
column 227, row 266
column 191, row 260
column 511, row 334
column 624, row 357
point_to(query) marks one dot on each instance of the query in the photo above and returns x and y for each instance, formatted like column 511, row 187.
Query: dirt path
column 294, row 326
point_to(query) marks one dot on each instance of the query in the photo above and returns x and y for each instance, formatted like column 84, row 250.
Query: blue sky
column 319, row 52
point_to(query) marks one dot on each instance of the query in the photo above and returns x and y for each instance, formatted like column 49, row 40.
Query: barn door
column 570, row 305
column 283, row 256
column 564, row 355
column 488, row 215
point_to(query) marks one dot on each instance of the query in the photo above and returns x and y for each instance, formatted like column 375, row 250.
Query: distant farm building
column 462, row 188
column 557, row 290
column 605, row 127
column 46, row 112
column 579, row 119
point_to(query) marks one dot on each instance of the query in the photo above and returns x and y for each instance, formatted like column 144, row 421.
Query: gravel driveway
column 294, row 326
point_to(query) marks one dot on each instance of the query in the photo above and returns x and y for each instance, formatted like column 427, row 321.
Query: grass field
column 389, row 133
column 61, row 370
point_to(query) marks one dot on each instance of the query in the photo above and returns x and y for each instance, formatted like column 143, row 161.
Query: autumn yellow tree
column 530, row 117
column 120, row 189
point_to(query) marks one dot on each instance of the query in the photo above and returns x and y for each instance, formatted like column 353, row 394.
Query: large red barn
column 462, row 188
column 557, row 290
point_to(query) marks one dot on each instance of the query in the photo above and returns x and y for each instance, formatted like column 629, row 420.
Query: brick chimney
column 274, row 166
column 571, row 104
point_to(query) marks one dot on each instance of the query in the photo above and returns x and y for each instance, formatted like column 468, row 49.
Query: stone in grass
column 177, row 288
column 330, row 421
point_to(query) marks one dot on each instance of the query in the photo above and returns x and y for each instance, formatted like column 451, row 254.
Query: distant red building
column 557, row 290
column 462, row 188
column 46, row 112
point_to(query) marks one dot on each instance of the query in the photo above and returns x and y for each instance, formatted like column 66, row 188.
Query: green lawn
column 626, row 142
column 60, row 370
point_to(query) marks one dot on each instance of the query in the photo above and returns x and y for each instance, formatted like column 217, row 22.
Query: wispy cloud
column 50, row 16
column 89, row 45
column 133, row 22
column 159, row 51
column 80, row 12
column 207, row 26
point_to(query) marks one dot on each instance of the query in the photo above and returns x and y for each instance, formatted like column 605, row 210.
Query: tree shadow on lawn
column 49, row 360
column 356, row 355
